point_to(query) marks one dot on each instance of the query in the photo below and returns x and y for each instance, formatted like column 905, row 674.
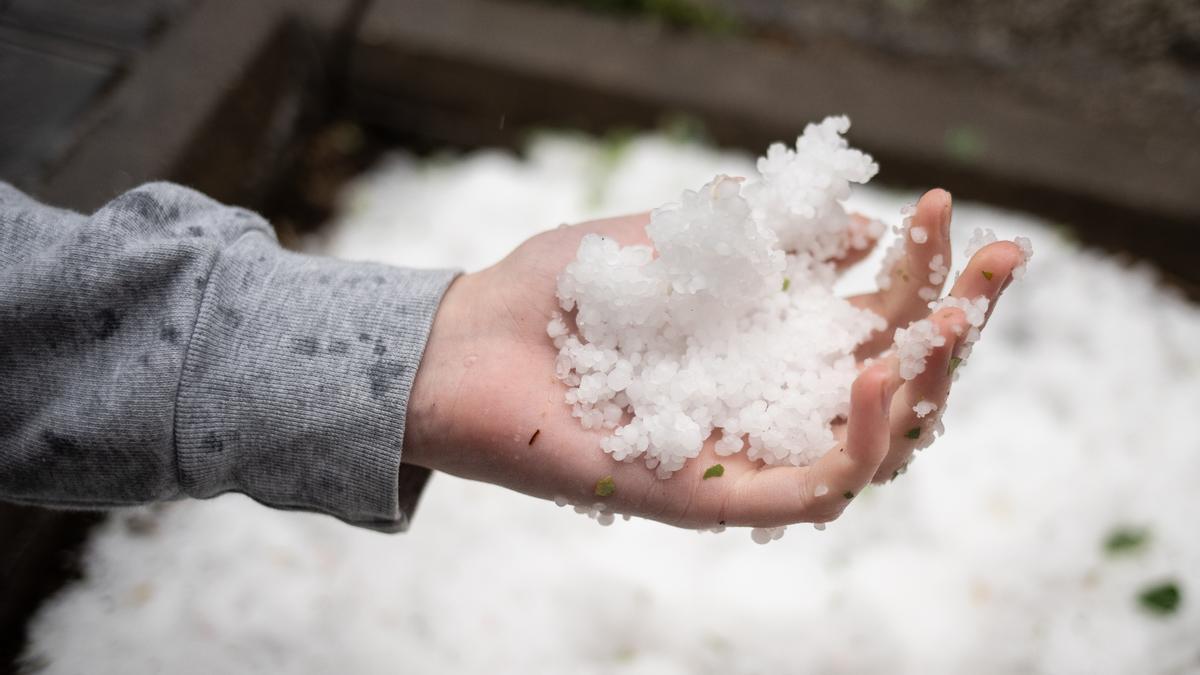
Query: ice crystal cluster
column 729, row 322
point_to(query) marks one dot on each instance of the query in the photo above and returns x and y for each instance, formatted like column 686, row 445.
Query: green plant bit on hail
column 714, row 471
column 605, row 487
column 1126, row 540
column 1162, row 598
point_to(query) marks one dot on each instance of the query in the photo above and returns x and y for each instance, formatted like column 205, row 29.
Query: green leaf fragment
column 787, row 283
column 954, row 363
column 714, row 471
column 605, row 487
column 987, row 275
column 1125, row 540
column 848, row 494
column 913, row 433
column 1162, row 598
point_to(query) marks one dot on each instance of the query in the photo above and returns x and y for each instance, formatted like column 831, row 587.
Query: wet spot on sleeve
column 196, row 231
column 60, row 446
column 212, row 444
column 339, row 347
column 230, row 316
column 364, row 337
column 201, row 282
column 108, row 322
column 138, row 203
column 168, row 333
column 379, row 349
column 382, row 376
column 304, row 346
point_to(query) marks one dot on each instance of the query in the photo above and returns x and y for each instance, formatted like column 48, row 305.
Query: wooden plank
column 129, row 24
column 43, row 94
column 432, row 62
column 897, row 110
column 220, row 127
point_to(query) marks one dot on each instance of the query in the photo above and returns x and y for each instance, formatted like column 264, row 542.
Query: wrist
column 430, row 422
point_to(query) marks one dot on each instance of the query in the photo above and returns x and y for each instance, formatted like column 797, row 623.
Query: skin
column 486, row 404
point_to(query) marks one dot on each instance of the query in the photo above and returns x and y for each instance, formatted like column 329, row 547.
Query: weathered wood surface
column 473, row 72
column 214, row 105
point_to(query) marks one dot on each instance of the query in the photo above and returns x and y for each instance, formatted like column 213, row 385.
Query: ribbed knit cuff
column 296, row 382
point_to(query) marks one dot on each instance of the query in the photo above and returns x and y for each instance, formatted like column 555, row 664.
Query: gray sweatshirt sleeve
column 166, row 346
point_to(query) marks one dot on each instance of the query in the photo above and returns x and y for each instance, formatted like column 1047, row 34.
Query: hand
column 486, row 404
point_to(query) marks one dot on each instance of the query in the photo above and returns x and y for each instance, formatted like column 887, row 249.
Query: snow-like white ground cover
column 1076, row 420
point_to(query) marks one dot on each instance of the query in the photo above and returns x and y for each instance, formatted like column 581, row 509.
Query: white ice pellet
column 895, row 251
column 923, row 408
column 975, row 310
column 821, row 490
column 760, row 535
column 980, row 237
column 914, row 344
column 766, row 535
column 938, row 269
column 919, row 235
column 1026, row 247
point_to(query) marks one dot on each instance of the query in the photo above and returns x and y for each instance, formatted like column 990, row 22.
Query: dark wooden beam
column 215, row 104
column 480, row 72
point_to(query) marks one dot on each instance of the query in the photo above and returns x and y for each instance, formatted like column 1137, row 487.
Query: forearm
column 166, row 346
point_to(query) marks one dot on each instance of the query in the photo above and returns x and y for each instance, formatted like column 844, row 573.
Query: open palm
column 487, row 405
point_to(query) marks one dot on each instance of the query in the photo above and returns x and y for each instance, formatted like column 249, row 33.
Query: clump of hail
column 729, row 325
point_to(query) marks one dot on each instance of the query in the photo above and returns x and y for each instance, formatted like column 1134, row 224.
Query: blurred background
column 1050, row 532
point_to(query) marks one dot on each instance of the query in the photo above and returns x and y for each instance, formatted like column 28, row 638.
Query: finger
column 864, row 235
column 932, row 386
column 819, row 493
column 911, row 282
column 988, row 272
column 986, row 275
